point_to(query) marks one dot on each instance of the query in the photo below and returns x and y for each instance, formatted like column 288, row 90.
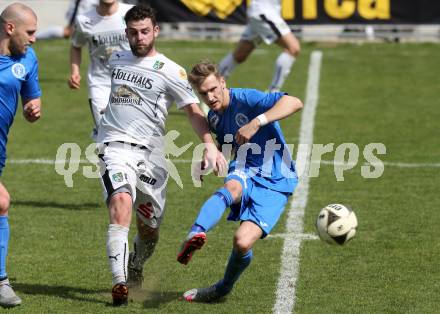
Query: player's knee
column 4, row 203
column 294, row 49
column 297, row 50
column 291, row 45
column 235, row 188
column 120, row 208
column 242, row 244
column 120, row 199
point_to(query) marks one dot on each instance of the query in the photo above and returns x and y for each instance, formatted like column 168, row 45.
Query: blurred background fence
column 310, row 20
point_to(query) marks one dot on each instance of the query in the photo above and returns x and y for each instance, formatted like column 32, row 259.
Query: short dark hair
column 141, row 12
column 201, row 71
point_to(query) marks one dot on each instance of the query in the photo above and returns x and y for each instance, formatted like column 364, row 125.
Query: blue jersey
column 18, row 77
column 267, row 159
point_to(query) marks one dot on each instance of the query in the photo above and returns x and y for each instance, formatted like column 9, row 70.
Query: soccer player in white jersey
column 103, row 30
column 265, row 24
column 144, row 85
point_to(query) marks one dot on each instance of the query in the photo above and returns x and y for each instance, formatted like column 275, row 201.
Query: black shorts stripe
column 272, row 25
column 106, row 178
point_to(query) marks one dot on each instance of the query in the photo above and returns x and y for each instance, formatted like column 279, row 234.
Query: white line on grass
column 43, row 161
column 285, row 294
column 302, row 236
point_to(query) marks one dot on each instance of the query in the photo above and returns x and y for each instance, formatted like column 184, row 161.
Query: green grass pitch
column 386, row 93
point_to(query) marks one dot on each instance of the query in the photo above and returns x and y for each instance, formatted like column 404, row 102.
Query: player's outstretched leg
column 237, row 263
column 210, row 213
column 206, row 295
column 8, row 298
column 193, row 242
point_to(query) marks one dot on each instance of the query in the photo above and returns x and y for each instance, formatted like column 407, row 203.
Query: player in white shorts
column 144, row 85
column 265, row 24
column 103, row 31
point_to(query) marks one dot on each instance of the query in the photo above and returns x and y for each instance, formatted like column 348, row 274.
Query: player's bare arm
column 32, row 109
column 74, row 81
column 286, row 106
column 212, row 157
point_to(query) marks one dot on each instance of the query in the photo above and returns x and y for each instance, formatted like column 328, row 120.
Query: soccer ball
column 336, row 223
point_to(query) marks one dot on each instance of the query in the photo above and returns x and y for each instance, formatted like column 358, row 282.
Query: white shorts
column 125, row 168
column 267, row 27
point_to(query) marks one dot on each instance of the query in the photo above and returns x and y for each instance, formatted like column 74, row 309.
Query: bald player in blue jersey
column 18, row 78
column 261, row 174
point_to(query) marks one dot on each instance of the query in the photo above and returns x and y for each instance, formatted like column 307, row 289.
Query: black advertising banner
column 304, row 12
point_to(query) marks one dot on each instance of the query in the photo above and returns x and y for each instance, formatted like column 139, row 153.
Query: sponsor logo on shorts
column 141, row 166
column 263, row 224
column 118, row 177
column 146, row 210
column 148, row 180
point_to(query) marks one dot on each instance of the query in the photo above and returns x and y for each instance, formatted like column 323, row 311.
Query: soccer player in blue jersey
column 261, row 175
column 18, row 78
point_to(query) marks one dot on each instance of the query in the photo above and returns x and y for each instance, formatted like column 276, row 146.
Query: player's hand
column 32, row 111
column 221, row 165
column 74, row 81
column 245, row 133
column 213, row 159
column 210, row 154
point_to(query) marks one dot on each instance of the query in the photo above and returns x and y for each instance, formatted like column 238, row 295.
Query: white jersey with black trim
column 258, row 7
column 142, row 92
column 103, row 35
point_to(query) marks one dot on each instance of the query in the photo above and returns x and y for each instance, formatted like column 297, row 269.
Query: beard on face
column 141, row 51
column 16, row 50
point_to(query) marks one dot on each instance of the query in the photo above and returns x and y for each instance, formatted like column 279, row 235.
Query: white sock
column 142, row 251
column 227, row 65
column 283, row 64
column 51, row 32
column 117, row 252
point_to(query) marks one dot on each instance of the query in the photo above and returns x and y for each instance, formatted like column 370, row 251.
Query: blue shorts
column 259, row 204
